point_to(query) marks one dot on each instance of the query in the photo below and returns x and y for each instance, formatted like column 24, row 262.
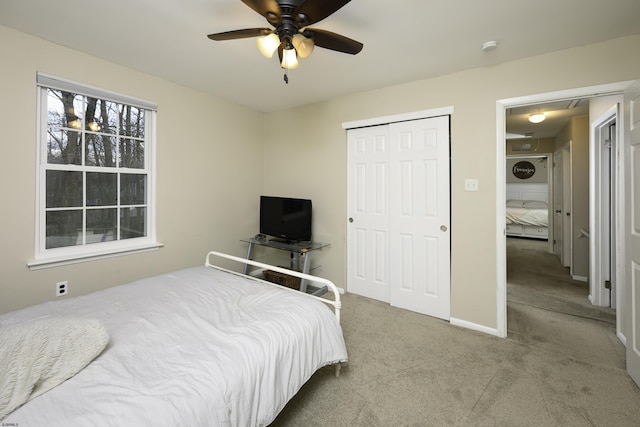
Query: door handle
column 568, row 213
column 350, row 219
column 558, row 211
column 443, row 228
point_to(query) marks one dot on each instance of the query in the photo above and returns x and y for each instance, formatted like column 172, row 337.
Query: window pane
column 63, row 228
column 132, row 154
column 65, row 109
column 133, row 189
column 101, row 225
column 133, row 222
column 102, row 189
column 100, row 150
column 64, row 189
column 63, row 147
column 102, row 116
column 96, row 173
column 132, row 121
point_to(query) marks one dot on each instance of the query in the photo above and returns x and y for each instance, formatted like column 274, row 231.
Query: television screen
column 285, row 218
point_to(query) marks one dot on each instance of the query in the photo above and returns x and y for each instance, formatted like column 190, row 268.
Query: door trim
column 403, row 117
column 597, row 293
column 501, row 242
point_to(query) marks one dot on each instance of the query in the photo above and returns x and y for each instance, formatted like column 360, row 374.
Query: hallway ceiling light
column 537, row 117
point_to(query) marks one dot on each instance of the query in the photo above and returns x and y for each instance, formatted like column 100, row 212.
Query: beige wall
column 209, row 169
column 210, row 158
column 312, row 143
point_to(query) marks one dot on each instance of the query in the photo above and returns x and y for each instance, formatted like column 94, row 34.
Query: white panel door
column 558, row 220
column 567, row 207
column 367, row 207
column 420, row 248
column 632, row 312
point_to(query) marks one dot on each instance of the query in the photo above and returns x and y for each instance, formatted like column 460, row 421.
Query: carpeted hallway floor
column 561, row 365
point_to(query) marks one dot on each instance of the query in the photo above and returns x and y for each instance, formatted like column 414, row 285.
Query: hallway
column 535, row 278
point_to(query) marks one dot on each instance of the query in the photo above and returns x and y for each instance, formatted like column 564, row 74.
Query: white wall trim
column 68, row 260
column 501, row 212
column 622, row 338
column 501, row 149
column 416, row 115
column 596, row 202
column 474, row 326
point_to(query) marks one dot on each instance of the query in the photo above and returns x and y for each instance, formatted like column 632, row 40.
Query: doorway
column 501, row 109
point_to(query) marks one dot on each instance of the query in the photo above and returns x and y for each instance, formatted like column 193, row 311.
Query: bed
column 202, row 346
column 527, row 212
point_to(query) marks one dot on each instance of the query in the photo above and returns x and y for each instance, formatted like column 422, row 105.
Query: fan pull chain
column 286, row 77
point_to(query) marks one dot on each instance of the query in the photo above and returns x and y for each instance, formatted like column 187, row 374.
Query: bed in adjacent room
column 527, row 212
column 201, row 346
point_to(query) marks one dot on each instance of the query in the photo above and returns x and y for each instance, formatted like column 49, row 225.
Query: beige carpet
column 406, row 369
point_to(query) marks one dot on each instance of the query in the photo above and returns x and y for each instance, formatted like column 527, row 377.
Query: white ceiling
column 557, row 113
column 404, row 40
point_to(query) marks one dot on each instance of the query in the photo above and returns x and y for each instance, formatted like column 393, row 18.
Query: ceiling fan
column 290, row 36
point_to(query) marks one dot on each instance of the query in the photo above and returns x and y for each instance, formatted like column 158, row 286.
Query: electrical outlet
column 62, row 288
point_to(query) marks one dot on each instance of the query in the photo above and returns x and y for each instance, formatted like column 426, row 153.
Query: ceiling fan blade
column 264, row 7
column 317, row 10
column 240, row 34
column 333, row 41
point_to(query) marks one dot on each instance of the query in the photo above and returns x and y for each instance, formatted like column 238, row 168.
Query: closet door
column 419, row 220
column 398, row 238
column 368, row 210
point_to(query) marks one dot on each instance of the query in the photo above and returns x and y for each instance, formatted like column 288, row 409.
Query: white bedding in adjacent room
column 197, row 347
column 527, row 212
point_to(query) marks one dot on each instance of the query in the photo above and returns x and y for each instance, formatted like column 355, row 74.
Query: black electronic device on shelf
column 286, row 218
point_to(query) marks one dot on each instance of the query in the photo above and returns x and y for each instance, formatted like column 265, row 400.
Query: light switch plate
column 470, row 185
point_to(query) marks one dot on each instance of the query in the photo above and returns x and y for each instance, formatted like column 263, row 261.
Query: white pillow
column 38, row 355
column 513, row 203
column 535, row 204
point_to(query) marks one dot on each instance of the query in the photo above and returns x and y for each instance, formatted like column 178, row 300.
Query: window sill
column 39, row 264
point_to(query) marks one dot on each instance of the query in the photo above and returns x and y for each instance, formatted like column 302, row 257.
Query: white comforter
column 527, row 212
column 198, row 347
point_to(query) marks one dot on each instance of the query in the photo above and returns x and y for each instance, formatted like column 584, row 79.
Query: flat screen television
column 285, row 218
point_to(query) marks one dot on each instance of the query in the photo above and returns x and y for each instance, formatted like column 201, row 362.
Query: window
column 95, row 173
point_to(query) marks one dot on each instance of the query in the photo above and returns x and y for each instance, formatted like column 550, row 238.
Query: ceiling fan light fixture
column 267, row 45
column 537, row 118
column 289, row 59
column 303, row 45
column 290, row 35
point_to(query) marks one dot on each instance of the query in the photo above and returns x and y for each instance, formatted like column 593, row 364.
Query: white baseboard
column 473, row 326
column 580, row 278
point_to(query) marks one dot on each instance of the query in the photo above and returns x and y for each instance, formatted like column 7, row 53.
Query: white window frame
column 79, row 253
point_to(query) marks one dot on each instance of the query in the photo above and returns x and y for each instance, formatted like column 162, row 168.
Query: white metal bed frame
column 331, row 287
